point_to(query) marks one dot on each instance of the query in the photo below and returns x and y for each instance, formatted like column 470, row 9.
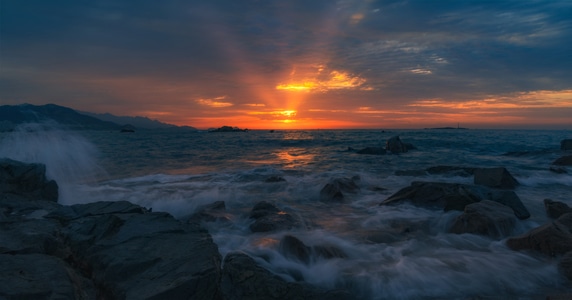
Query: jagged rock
column 554, row 238
column 563, row 161
column 555, row 209
column 242, row 278
column 212, row 212
column 39, row 276
column 454, row 196
column 26, row 180
column 372, row 151
column 293, row 248
column 334, row 190
column 395, row 145
column 269, row 218
column 487, row 218
column 565, row 265
column 495, row 177
column 566, row 144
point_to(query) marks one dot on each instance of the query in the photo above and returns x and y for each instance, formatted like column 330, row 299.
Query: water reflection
column 295, row 157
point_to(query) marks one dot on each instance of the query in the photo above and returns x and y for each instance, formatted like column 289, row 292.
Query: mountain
column 137, row 122
column 13, row 115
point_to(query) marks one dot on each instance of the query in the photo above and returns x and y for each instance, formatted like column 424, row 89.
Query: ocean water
column 179, row 171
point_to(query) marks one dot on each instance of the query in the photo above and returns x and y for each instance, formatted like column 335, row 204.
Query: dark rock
column 334, row 190
column 563, row 161
column 554, row 238
column 26, row 180
column 565, row 265
column 485, row 218
column 39, row 276
column 242, row 278
column 558, row 170
column 25, row 236
column 566, row 144
column 555, row 209
column 453, row 170
column 495, row 177
column 291, row 247
column 269, row 218
column 274, row 179
column 328, row 252
column 212, row 212
column 395, row 145
column 454, row 196
column 372, row 151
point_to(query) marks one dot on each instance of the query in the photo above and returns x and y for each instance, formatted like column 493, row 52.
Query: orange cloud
column 335, row 80
column 214, row 102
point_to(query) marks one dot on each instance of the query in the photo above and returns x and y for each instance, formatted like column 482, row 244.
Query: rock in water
column 487, row 218
column 27, row 181
column 495, row 177
column 372, row 151
column 555, row 209
column 566, row 144
column 554, row 238
column 394, row 145
column 334, row 190
column 563, row 161
column 269, row 218
column 565, row 265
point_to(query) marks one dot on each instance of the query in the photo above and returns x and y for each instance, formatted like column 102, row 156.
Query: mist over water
column 178, row 172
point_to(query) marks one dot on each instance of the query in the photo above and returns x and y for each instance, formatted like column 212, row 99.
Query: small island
column 228, row 129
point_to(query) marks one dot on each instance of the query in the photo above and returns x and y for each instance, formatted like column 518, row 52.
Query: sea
column 179, row 172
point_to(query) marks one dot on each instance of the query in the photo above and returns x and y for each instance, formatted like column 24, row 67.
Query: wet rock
column 27, row 181
column 395, row 145
column 451, row 170
column 334, row 190
column 39, row 276
column 495, row 177
column 487, row 218
column 242, row 278
column 566, row 144
column 454, row 196
column 293, row 248
column 213, row 212
column 555, row 209
column 372, row 151
column 554, row 238
column 269, row 218
column 563, row 161
column 565, row 265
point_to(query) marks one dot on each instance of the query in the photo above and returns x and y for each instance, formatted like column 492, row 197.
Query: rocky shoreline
column 119, row 250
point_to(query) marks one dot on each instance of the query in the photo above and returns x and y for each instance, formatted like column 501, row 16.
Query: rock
column 26, row 180
column 39, row 276
column 487, row 218
column 555, row 209
column 269, row 218
column 563, row 161
column 566, row 144
column 292, row 248
column 274, row 179
column 242, row 278
column 395, row 145
column 554, row 238
column 334, row 190
column 558, row 170
column 372, row 151
column 453, row 170
column 454, row 196
column 495, row 177
column 565, row 265
column 212, row 212
column 415, row 173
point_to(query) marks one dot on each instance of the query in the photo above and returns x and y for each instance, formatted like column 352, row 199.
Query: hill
column 138, row 122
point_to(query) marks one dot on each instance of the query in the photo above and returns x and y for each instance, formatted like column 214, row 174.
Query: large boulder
column 454, row 196
column 267, row 217
column 27, row 181
column 395, row 145
column 554, row 238
column 563, row 161
column 487, row 218
column 294, row 249
column 495, row 177
column 555, row 209
column 335, row 189
column 566, row 144
column 242, row 278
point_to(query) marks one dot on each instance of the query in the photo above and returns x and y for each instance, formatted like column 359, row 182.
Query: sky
column 295, row 64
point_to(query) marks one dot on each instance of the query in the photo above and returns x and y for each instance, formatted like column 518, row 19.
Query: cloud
column 216, row 102
column 334, row 80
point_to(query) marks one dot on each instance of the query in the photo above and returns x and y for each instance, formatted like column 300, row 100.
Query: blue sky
column 295, row 64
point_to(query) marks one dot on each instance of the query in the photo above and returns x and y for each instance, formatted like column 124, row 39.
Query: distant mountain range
column 13, row 115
